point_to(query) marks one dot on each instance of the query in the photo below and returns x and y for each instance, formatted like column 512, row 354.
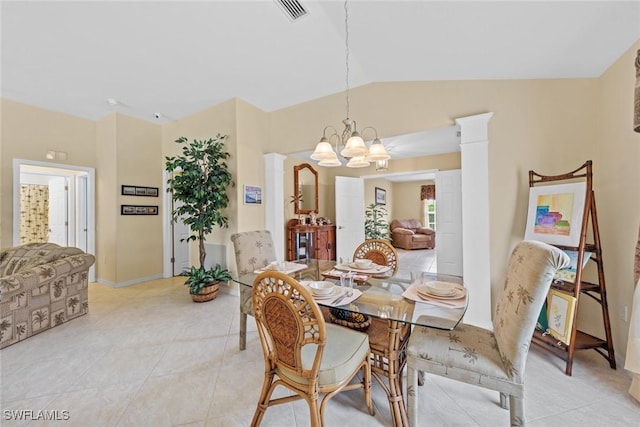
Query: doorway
column 54, row 203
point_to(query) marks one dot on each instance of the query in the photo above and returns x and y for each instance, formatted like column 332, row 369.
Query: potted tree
column 375, row 225
column 199, row 181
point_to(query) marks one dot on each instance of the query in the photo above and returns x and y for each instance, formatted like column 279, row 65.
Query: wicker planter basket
column 207, row 293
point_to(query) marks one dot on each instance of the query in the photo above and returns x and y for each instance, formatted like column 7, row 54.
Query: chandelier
column 354, row 149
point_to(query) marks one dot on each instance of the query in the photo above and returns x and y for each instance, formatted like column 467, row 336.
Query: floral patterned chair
column 491, row 359
column 42, row 285
column 253, row 249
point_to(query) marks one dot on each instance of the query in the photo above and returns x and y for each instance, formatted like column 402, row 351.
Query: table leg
column 388, row 340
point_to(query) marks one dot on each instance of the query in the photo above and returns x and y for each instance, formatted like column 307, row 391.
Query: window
column 429, row 213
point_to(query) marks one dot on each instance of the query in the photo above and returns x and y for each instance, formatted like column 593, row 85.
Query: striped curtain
column 34, row 213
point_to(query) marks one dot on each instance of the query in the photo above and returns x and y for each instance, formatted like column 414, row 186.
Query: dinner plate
column 351, row 267
column 436, row 287
column 459, row 293
column 371, row 266
column 337, row 290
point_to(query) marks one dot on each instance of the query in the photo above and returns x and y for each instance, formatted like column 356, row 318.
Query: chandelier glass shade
column 349, row 143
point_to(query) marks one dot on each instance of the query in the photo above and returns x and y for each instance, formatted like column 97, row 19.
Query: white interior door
column 181, row 256
column 349, row 216
column 81, row 226
column 449, row 214
column 58, row 211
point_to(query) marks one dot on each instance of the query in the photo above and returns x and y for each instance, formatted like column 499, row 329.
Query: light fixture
column 382, row 165
column 354, row 148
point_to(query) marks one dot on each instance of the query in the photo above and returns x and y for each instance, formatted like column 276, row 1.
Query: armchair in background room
column 410, row 234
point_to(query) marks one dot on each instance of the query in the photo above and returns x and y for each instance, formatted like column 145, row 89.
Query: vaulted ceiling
column 176, row 58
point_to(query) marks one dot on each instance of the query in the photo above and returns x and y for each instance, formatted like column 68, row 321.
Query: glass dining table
column 387, row 300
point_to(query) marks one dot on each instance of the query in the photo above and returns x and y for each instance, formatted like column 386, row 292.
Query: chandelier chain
column 346, row 49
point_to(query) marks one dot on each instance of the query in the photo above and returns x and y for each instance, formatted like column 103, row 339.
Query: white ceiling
column 177, row 58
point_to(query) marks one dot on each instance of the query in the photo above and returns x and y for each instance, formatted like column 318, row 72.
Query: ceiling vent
column 292, row 8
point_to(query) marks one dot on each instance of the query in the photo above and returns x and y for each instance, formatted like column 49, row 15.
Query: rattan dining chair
column 302, row 352
column 380, row 252
column 491, row 359
column 253, row 249
column 387, row 339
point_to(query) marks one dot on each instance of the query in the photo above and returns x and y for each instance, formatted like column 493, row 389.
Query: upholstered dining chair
column 253, row 249
column 302, row 352
column 379, row 251
column 491, row 359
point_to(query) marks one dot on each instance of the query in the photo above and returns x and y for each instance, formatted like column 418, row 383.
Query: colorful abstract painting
column 555, row 213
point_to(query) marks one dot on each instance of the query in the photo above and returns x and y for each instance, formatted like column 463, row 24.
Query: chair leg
column 366, row 381
column 516, row 411
column 263, row 401
column 412, row 398
column 243, row 330
column 315, row 412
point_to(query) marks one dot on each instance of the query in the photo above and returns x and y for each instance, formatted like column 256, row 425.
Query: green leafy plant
column 199, row 182
column 199, row 278
column 375, row 223
column 220, row 274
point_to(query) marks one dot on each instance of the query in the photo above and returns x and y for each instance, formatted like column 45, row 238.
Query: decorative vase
column 207, row 293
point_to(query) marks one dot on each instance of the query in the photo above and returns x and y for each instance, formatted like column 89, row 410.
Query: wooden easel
column 597, row 291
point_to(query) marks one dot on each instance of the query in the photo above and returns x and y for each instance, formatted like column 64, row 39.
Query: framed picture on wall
column 252, row 195
column 381, row 196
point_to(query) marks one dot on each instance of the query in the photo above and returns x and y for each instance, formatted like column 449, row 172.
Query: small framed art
column 381, row 196
column 132, row 190
column 561, row 307
column 252, row 195
column 138, row 210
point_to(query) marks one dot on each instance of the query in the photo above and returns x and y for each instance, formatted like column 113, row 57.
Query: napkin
column 286, row 267
column 335, row 274
column 412, row 294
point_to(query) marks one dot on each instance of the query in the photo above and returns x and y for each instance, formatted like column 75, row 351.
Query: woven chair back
column 379, row 251
column 288, row 319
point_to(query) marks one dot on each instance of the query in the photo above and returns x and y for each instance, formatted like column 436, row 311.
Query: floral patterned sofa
column 42, row 285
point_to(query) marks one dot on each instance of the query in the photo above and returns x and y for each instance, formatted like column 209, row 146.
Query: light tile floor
column 145, row 355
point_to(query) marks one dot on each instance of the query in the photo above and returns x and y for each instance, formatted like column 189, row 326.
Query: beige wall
column 407, row 203
column 139, row 163
column 252, row 137
column 128, row 247
column 617, row 187
column 27, row 133
column 106, row 200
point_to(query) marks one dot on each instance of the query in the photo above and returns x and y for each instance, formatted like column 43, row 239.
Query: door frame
column 90, row 201
column 168, row 241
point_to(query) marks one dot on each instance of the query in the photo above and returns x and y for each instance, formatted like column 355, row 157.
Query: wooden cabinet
column 310, row 241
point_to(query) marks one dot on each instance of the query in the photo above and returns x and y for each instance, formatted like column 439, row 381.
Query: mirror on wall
column 305, row 189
